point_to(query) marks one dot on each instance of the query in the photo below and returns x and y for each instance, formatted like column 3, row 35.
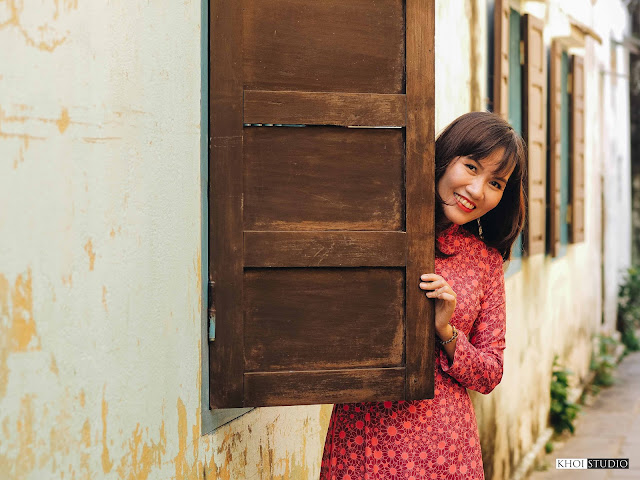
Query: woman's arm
column 477, row 363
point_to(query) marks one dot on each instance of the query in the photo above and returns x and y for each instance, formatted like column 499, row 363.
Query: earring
column 480, row 229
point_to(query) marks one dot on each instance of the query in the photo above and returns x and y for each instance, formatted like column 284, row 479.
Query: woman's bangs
column 509, row 160
column 509, row 157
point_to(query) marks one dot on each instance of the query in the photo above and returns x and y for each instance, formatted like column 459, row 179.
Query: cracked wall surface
column 100, row 251
column 100, row 256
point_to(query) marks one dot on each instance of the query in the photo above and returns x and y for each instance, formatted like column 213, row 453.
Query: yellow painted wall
column 100, row 256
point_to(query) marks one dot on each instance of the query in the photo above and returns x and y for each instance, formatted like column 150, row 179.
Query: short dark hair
column 476, row 135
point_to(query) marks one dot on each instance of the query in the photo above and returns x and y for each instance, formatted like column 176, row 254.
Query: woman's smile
column 464, row 202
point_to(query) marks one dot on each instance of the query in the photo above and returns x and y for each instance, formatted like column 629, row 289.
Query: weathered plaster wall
column 100, row 254
column 461, row 58
column 613, row 68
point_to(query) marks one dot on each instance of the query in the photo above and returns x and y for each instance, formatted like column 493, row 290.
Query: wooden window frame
column 533, row 116
column 534, row 133
column 515, row 115
column 566, row 169
column 501, row 19
column 555, row 146
column 577, row 151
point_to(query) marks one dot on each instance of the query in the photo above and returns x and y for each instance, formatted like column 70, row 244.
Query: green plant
column 563, row 412
column 603, row 362
column 548, row 447
column 629, row 309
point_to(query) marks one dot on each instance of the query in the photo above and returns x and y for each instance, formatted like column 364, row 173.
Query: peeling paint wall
column 100, row 252
column 100, row 255
column 611, row 69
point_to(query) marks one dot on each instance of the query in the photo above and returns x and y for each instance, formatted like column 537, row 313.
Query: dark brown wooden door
column 535, row 111
column 577, row 150
column 319, row 232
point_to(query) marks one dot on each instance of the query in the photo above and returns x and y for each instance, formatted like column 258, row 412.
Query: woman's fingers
column 437, row 287
column 429, row 277
column 432, row 285
column 446, row 289
column 447, row 296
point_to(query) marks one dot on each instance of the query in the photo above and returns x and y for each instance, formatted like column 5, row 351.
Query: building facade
column 104, row 234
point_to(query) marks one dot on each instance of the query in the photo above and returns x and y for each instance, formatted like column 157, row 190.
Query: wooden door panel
column 328, row 45
column 225, row 203
column 318, row 234
column 291, row 179
column 332, row 386
column 325, row 249
column 325, row 108
column 328, row 318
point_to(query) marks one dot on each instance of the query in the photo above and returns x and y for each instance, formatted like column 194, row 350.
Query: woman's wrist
column 446, row 332
column 448, row 339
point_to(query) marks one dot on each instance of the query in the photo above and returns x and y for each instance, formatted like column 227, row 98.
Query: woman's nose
column 476, row 189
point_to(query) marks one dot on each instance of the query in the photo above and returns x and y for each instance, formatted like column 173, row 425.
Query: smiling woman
column 479, row 175
column 480, row 159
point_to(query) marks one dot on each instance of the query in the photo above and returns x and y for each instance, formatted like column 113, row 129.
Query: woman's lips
column 460, row 199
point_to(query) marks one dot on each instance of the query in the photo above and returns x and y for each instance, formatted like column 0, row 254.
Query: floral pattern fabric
column 435, row 438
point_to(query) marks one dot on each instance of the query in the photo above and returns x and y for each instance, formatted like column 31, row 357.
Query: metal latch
column 211, row 310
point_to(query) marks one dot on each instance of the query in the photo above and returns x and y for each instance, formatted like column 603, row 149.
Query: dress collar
column 450, row 230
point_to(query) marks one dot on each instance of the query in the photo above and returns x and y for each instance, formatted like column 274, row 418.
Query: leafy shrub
column 603, row 361
column 563, row 412
column 629, row 309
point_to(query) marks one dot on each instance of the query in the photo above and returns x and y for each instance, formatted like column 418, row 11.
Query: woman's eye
column 471, row 167
column 496, row 184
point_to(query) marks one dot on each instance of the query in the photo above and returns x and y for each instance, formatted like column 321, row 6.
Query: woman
column 480, row 166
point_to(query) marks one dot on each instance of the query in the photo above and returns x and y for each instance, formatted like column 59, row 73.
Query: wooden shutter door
column 555, row 135
column 534, row 133
column 319, row 232
column 577, row 150
column 501, row 15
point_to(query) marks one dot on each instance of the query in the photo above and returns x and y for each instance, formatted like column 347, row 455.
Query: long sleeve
column 477, row 362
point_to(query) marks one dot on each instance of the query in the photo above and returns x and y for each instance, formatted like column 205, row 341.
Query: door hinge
column 211, row 311
column 569, row 216
column 521, row 52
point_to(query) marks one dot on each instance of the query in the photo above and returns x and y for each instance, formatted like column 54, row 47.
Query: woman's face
column 470, row 188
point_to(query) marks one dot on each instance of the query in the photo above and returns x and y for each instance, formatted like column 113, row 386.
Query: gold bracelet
column 453, row 337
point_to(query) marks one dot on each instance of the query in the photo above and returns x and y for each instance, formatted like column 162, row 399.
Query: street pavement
column 609, row 427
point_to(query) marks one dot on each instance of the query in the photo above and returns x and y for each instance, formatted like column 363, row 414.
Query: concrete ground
column 609, row 427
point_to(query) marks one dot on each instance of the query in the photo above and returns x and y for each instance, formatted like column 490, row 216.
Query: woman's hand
column 437, row 287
